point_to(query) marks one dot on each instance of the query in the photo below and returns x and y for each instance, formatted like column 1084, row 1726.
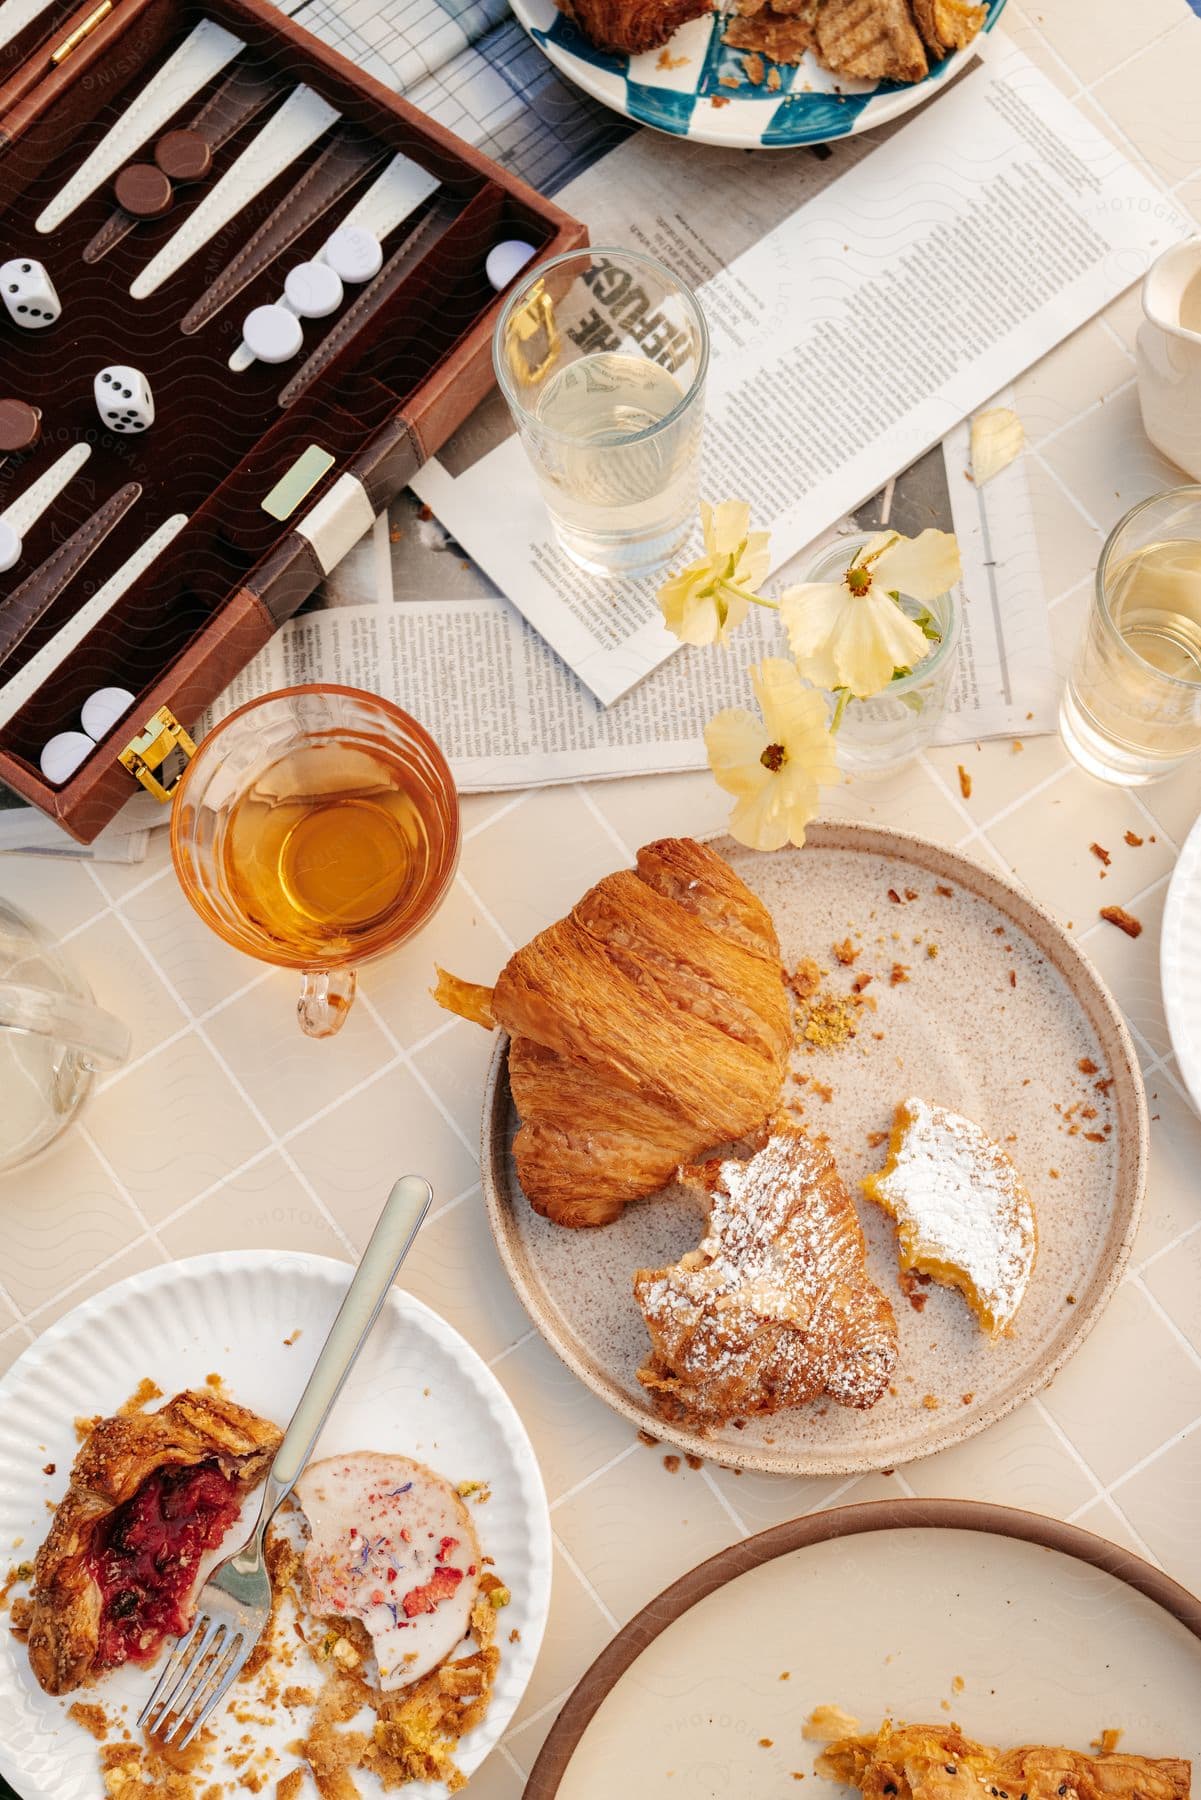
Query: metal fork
column 235, row 1602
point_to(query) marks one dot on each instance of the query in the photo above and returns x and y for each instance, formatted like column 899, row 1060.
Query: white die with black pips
column 123, row 398
column 28, row 294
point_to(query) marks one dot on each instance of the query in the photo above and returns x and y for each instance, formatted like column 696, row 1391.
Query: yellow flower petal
column 755, row 561
column 735, row 740
column 725, row 526
column 810, row 614
column 774, row 804
column 922, row 567
column 997, row 437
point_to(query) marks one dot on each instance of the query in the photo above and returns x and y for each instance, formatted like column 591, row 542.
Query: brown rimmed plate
column 1018, row 1628
column 980, row 1001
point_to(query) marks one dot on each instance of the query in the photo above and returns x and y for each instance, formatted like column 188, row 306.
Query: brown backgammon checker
column 144, row 191
column 184, row 155
column 20, row 427
column 181, row 590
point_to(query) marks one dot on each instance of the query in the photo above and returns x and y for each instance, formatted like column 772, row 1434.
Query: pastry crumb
column 1133, row 839
column 754, row 69
column 1117, row 915
column 671, row 1464
column 1101, row 853
column 827, row 1723
column 1108, row 1741
column 844, row 953
column 965, row 781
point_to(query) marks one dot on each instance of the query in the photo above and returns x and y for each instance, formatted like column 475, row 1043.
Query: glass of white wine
column 602, row 355
column 1131, row 710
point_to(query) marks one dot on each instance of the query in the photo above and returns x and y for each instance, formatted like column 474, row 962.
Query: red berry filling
column 145, row 1556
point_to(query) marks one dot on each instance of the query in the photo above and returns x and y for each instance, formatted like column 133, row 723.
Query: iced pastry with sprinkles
column 391, row 1545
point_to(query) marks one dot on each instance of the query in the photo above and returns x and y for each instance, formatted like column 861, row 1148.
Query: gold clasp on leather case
column 532, row 337
column 63, row 50
column 145, row 755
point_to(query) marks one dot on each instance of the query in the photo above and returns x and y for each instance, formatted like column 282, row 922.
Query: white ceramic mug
column 1169, row 355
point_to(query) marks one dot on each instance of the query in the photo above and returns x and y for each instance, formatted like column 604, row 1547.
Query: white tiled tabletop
column 229, row 1129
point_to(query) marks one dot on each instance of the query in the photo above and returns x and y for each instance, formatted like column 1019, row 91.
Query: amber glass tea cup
column 316, row 829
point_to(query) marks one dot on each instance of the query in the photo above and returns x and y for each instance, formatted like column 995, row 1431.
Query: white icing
column 382, row 1528
column 961, row 1199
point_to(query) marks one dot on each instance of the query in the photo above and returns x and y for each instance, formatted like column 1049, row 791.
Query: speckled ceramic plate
column 1180, row 961
column 257, row 1318
column 1018, row 1628
column 1002, row 1018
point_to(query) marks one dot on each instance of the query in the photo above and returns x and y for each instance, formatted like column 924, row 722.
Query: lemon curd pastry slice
column 936, row 1762
column 963, row 1217
column 775, row 1306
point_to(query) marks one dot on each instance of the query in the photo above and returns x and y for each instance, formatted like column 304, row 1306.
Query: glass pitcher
column 53, row 1038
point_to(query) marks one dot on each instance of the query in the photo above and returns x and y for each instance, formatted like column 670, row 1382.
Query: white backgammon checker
column 272, row 333
column 63, row 754
column 313, row 290
column 506, row 260
column 354, row 253
column 101, row 710
column 25, row 511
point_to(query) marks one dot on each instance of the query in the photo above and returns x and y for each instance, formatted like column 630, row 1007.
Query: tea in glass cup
column 1131, row 709
column 316, row 829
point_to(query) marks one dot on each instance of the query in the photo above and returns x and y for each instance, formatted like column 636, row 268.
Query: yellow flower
column 704, row 602
column 774, row 764
column 851, row 633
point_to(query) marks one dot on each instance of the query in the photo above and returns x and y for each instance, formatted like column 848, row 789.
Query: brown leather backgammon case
column 395, row 378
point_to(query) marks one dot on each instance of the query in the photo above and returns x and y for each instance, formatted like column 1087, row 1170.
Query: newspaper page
column 509, row 714
column 853, row 333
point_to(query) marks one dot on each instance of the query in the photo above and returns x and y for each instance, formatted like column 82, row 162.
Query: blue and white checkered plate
column 696, row 86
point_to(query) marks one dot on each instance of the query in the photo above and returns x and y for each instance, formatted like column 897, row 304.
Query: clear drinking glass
column 883, row 732
column 602, row 356
column 316, row 829
column 1131, row 710
column 53, row 1039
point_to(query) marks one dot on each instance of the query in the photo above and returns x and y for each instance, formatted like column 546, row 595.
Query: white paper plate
column 1180, row 962
column 418, row 1388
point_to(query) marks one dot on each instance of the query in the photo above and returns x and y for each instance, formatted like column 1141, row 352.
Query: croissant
column 775, row 1306
column 647, row 1028
column 148, row 1495
column 936, row 1762
column 632, row 26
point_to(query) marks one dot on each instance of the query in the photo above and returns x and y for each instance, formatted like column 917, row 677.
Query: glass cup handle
column 325, row 999
column 101, row 1039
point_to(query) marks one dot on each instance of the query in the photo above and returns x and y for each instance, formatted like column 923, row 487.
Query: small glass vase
column 883, row 733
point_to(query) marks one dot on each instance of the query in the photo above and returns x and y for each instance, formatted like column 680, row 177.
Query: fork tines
column 202, row 1667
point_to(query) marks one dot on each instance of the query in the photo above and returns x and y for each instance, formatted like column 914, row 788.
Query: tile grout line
column 607, row 826
column 1178, row 1437
column 150, row 1230
column 1094, row 406
column 1157, row 1306
column 580, row 1576
column 486, row 912
column 1150, row 1261
column 1102, row 1492
column 594, row 1475
column 726, row 1505
column 421, row 1080
column 174, row 1037
column 1078, row 506
column 96, row 1268
column 502, row 1749
column 248, row 1100
column 502, row 812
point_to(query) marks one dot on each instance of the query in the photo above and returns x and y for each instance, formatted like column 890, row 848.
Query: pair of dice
column 122, row 394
